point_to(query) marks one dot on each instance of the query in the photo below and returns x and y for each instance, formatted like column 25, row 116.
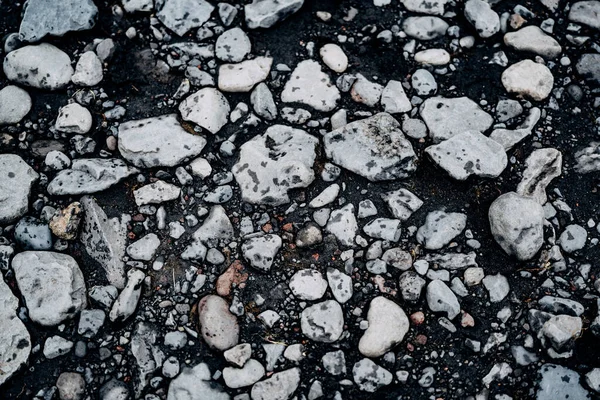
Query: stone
column 41, row 66
column 263, row 102
column 145, row 248
column 249, row 374
column 15, row 104
column 441, row 299
column 402, row 203
column 227, row 13
column 90, row 322
column 271, row 164
column 379, row 149
column 16, row 181
column 588, row 66
column 238, row 355
column 469, row 153
column 215, row 228
column 114, row 390
column 452, row 261
column 89, row 175
column 41, row 18
column 388, row 324
column 366, row 92
column 208, row 108
column 104, row 240
column 242, row 77
column 334, row 362
column 132, row 6
column 497, row 286
column 266, row 13
column 485, row 20
column 434, row 57
column 175, row 340
column 425, row 28
column 125, row 305
column 309, row 236
column 517, row 224
column 411, row 286
column 334, row 57
column 88, row 71
column 425, row 6
column 180, row 16
column 510, row 137
column 308, row 284
column 558, row 305
column 592, row 379
column 71, row 386
column 343, row 225
column 51, row 284
column 260, row 251
column 559, row 383
column 73, row 118
column 65, row 223
column 279, row 386
column 158, row 142
column 273, row 352
column 423, row 82
column 232, row 45
column 340, row 284
column 446, row 117
column 588, row 158
column 309, row 85
column 533, row 40
column 394, row 99
column 383, row 228
column 397, row 258
column 440, row 228
column 33, row 234
column 15, row 342
column 573, row 238
column 170, row 368
column 529, row 79
column 507, row 109
column 541, row 167
column 586, row 13
column 57, row 160
column 323, row 322
column 196, row 384
column 156, row 193
column 56, row 346
column 369, row 376
column 219, row 327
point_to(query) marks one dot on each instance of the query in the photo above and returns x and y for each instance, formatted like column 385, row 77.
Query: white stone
column 528, row 78
column 309, row 85
column 432, row 57
column 388, row 324
column 242, row 77
column 532, row 39
column 334, row 57
column 180, row 16
column 207, row 108
column 308, row 284
column 145, row 248
column 74, row 118
column 15, row 104
column 232, row 45
column 88, row 71
column 16, row 181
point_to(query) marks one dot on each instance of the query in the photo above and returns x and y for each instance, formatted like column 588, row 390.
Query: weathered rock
column 157, row 142
column 260, row 251
column 388, row 324
column 485, row 20
column 340, row 284
column 88, row 71
column 323, row 322
column 71, row 386
column 532, row 39
column 180, row 16
column 65, row 223
column 425, row 28
column 369, row 376
column 423, row 82
column 73, row 118
column 308, row 284
column 402, row 203
column 266, row 13
column 51, row 284
column 232, row 45
column 250, row 373
column 334, row 57
column 510, row 137
column 559, row 383
column 497, row 286
column 128, row 299
column 588, row 66
column 588, row 159
column 586, row 12
column 433, row 57
column 411, row 286
column 33, row 234
column 207, row 108
column 528, row 78
column 144, row 248
column 441, row 299
column 440, row 228
column 16, row 181
column 425, row 6
column 242, row 77
column 196, row 384
column 215, row 228
column 280, row 386
column 219, row 327
column 342, row 224
column 263, row 102
column 573, row 238
column 156, row 193
column 394, row 99
column 542, row 166
column 309, row 85
column 15, row 104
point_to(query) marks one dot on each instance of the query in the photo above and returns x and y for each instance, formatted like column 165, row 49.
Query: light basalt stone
column 16, row 181
column 207, row 107
column 15, row 104
column 529, row 79
column 309, row 85
column 266, row 13
column 180, row 16
column 388, row 324
column 242, row 77
column 532, row 39
column 323, row 322
column 219, row 327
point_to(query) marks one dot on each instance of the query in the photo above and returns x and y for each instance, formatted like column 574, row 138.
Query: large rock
column 271, row 164
column 266, row 13
column 182, row 15
column 51, row 284
column 532, row 39
column 42, row 17
column 517, row 224
column 15, row 104
column 529, row 79
column 15, row 343
column 280, row 386
column 42, row 66
column 219, row 327
column 559, row 383
column 469, row 153
column 309, row 85
column 89, row 175
column 104, row 240
column 388, row 324
column 323, row 322
column 207, row 108
column 157, row 142
column 195, row 384
column 16, row 181
column 586, row 12
column 446, row 117
column 374, row 148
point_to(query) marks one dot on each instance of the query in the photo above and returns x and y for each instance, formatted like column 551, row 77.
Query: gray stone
column 180, row 16
column 250, row 373
column 393, row 99
column 242, row 77
column 16, row 181
column 402, row 203
column 88, row 71
column 309, row 85
column 541, row 167
column 452, row 261
column 374, row 148
column 308, row 284
column 145, row 248
column 588, row 66
column 132, row 6
column 156, row 193
column 114, row 390
column 219, row 327
column 561, row 331
column 42, row 66
column 89, row 175
column 510, row 137
column 383, row 228
column 366, row 209
column 425, row 6
column 170, row 368
column 425, row 28
column 273, row 352
column 41, row 18
column 260, row 251
column 369, row 376
column 227, row 13
column 342, row 224
column 15, row 104
column 263, row 103
column 433, row 57
column 334, row 362
column 588, row 159
column 280, row 386
column 411, row 285
column 323, row 322
column 56, row 346
column 497, row 286
column 507, row 109
column 558, row 305
column 446, row 117
column 51, row 284
column 175, row 340
column 414, row 128
column 592, row 378
column 366, row 92
column 485, row 20
column 271, row 164
column 529, row 79
column 340, row 284
column 196, row 384
column 71, row 386
column 440, row 228
column 158, row 142
column 232, row 45
column 423, row 83
column 128, row 299
column 90, row 322
column 586, row 13
column 238, row 355
column 215, row 228
column 73, row 118
column 209, row 109
column 309, row 235
column 388, row 324
column 517, row 224
column 441, row 299
column 533, row 40
column 573, row 238
column 334, row 57
column 397, row 258
column 266, row 13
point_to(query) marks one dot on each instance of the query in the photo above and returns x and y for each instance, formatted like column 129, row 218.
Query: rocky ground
column 295, row 199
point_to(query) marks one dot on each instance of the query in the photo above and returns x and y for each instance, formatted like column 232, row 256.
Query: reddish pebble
column 417, row 318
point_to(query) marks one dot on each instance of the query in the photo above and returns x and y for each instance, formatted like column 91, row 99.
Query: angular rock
column 440, row 228
column 383, row 228
column 529, row 79
column 144, row 248
column 411, row 286
column 232, row 45
column 249, row 374
column 219, row 327
column 180, row 16
column 402, row 203
column 586, row 13
column 366, row 92
column 65, row 223
column 33, row 234
column 156, row 193
column 425, row 6
column 215, row 228
column 207, row 108
column 340, row 284
column 497, row 286
column 394, row 99
column 541, row 167
column 323, row 322
column 441, row 299
column 588, row 159
column 88, row 71
column 260, row 251
column 309, row 85
column 71, row 386
column 588, row 66
column 369, row 376
column 342, row 224
column 308, row 284
column 280, row 386
column 196, row 384
column 533, row 40
column 16, row 181
column 73, row 118
column 128, row 299
column 242, row 77
column 510, row 137
column 388, row 324
column 266, row 13
column 559, row 383
column 15, row 104
column 263, row 103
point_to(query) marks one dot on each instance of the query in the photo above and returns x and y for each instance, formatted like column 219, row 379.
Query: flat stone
column 260, row 251
column 402, row 203
column 497, row 286
column 271, row 164
column 51, row 284
column 266, row 13
column 529, row 79
column 15, row 104
column 41, row 66
column 219, row 327
column 586, row 13
column 238, row 355
column 517, row 225
column 156, row 193
column 33, row 234
column 425, row 28
column 388, row 324
column 334, row 57
column 441, row 299
column 559, row 383
column 158, row 142
column 216, row 228
column 145, row 248
column 446, row 117
column 308, row 284
column 541, row 167
column 73, row 118
column 383, row 228
column 533, row 40
column 434, row 57
column 232, row 45
column 249, row 374
column 242, row 77
column 56, row 346
column 309, row 85
column 485, row 20
column 195, row 384
column 207, row 108
column 558, row 305
column 323, row 322
column 125, row 305
column 279, row 386
column 440, row 228
column 369, row 376
column 343, row 225
column 180, row 16
column 41, row 18
column 16, row 181
column 508, row 138
column 263, row 102
column 469, row 153
column 423, row 82
column 394, row 99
